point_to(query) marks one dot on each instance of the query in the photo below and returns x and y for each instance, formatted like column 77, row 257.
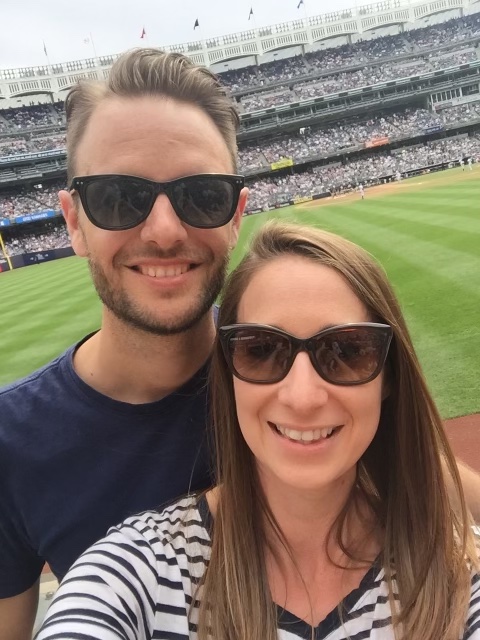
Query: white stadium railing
column 55, row 79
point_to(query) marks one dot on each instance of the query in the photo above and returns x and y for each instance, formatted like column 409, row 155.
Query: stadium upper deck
column 255, row 46
column 338, row 147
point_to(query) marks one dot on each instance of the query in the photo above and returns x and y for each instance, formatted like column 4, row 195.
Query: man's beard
column 131, row 313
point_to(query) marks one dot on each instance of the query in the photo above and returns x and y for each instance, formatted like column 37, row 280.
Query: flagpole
column 144, row 36
column 305, row 12
column 93, row 45
column 46, row 54
column 252, row 14
column 197, row 26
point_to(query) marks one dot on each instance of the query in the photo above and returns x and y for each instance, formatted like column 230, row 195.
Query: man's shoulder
column 40, row 398
column 40, row 377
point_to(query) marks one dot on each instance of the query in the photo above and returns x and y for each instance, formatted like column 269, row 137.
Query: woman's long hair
column 428, row 546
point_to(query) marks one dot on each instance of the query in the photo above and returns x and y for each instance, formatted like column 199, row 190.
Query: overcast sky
column 116, row 25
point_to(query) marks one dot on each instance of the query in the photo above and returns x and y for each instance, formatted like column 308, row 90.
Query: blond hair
column 428, row 545
column 151, row 72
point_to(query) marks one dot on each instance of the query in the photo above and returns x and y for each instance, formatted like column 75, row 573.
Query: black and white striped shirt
column 138, row 583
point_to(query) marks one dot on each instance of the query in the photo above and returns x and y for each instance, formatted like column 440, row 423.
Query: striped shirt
column 139, row 582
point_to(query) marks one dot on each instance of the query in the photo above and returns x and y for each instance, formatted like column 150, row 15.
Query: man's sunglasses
column 118, row 202
column 347, row 354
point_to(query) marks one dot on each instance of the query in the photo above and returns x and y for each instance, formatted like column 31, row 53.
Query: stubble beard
column 128, row 311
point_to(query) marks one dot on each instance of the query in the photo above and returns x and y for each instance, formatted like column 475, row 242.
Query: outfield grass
column 425, row 232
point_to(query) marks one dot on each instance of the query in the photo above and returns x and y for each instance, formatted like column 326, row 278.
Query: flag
column 144, row 33
column 197, row 24
column 45, row 48
column 251, row 13
column 299, row 4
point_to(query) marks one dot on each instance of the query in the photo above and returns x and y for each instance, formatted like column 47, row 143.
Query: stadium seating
column 328, row 156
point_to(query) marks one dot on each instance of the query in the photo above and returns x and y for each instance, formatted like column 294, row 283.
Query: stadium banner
column 37, row 257
column 301, row 199
column 32, row 156
column 434, row 129
column 281, row 164
column 38, row 215
column 5, row 222
column 376, row 142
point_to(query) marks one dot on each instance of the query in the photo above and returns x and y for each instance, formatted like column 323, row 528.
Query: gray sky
column 116, row 25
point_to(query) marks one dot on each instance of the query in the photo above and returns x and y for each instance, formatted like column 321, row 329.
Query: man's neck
column 137, row 367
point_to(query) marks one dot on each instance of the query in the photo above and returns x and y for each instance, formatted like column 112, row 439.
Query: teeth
column 304, row 436
column 163, row 272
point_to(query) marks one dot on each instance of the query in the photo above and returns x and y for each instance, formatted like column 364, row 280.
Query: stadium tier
column 317, row 118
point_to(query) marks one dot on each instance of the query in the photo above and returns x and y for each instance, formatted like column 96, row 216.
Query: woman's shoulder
column 178, row 525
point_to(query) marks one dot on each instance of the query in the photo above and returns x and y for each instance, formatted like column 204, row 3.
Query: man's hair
column 427, row 541
column 155, row 73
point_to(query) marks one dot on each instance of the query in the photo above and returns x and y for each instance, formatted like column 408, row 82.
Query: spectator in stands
column 117, row 423
column 28, row 117
column 26, row 201
column 317, row 526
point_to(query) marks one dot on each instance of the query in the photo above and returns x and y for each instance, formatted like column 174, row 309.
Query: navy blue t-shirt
column 74, row 462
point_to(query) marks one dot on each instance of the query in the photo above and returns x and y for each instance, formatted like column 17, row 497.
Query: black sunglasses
column 118, row 202
column 347, row 354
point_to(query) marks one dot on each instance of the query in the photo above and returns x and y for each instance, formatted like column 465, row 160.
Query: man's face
column 163, row 275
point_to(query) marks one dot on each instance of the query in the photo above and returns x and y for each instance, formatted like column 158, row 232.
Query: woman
column 331, row 516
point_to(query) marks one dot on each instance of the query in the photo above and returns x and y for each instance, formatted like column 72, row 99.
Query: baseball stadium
column 363, row 122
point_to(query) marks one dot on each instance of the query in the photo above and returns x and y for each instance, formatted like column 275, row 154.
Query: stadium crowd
column 315, row 140
column 344, row 81
column 460, row 113
column 367, row 170
column 301, row 77
column 294, row 71
column 26, row 201
column 364, row 52
column 354, row 133
column 52, row 236
column 41, row 115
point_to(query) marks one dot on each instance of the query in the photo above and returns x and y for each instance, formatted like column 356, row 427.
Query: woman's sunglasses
column 118, row 202
column 347, row 354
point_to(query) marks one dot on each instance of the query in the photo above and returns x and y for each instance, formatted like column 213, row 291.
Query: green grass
column 425, row 232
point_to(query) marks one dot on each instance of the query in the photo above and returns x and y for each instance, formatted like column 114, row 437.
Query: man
column 117, row 424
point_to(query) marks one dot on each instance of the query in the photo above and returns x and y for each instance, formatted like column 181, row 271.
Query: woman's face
column 301, row 297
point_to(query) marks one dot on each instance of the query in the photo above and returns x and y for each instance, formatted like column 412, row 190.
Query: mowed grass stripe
column 56, row 308
column 434, row 217
column 454, row 265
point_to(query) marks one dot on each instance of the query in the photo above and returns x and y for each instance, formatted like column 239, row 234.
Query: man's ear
column 70, row 213
column 237, row 218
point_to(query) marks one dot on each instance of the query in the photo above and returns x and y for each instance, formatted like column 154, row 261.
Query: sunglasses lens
column 117, row 203
column 350, row 356
column 205, row 202
column 259, row 355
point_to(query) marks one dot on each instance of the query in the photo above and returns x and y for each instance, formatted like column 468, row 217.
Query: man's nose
column 162, row 225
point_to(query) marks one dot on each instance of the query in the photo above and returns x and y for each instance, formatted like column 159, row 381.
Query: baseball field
column 425, row 231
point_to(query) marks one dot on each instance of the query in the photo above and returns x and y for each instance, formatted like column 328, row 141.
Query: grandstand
column 368, row 95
